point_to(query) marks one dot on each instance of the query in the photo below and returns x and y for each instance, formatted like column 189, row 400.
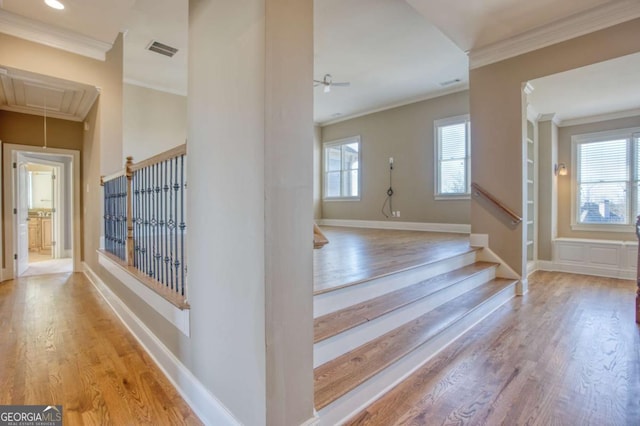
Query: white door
column 22, row 217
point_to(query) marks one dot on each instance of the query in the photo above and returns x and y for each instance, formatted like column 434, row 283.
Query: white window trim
column 338, row 142
column 436, row 158
column 576, row 140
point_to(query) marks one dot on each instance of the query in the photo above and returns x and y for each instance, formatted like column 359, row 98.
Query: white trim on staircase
column 457, row 228
column 206, row 406
column 178, row 317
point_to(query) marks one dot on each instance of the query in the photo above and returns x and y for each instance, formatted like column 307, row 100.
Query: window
column 606, row 189
column 452, row 157
column 342, row 169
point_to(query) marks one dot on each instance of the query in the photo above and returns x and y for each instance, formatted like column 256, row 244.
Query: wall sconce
column 560, row 169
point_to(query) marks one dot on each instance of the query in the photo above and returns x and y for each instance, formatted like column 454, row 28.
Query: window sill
column 342, row 199
column 452, row 197
column 602, row 228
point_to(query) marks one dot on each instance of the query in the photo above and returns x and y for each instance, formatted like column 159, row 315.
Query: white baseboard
column 627, row 274
column 313, row 421
column 457, row 228
column 206, row 406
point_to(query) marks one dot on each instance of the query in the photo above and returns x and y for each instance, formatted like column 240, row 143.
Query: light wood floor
column 61, row 344
column 568, row 353
column 357, row 254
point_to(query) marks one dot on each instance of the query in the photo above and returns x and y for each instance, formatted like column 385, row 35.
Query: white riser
column 338, row 299
column 357, row 399
column 348, row 340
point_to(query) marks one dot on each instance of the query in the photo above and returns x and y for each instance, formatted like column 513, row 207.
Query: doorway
column 42, row 233
column 43, row 191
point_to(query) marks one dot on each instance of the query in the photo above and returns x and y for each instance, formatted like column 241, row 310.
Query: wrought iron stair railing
column 145, row 222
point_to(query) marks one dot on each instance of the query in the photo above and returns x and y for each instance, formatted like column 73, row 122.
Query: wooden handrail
column 112, row 176
column 163, row 156
column 515, row 219
column 319, row 239
column 132, row 167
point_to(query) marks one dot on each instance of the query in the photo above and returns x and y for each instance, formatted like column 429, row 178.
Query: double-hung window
column 607, row 166
column 342, row 169
column 452, row 170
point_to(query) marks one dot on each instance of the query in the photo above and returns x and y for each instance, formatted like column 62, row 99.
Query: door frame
column 8, row 249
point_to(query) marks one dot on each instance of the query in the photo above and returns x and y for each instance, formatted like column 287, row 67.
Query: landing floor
column 357, row 254
column 61, row 344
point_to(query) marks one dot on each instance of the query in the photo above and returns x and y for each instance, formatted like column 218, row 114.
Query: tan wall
column 406, row 134
column 496, row 130
column 27, row 129
column 547, row 188
column 565, row 182
column 106, row 133
column 153, row 121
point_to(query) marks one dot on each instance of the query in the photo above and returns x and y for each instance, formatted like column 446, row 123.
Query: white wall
column 250, row 130
column 153, row 121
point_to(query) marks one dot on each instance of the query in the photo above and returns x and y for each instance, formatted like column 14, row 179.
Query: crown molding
column 549, row 117
column 155, row 87
column 59, row 38
column 601, row 117
column 595, row 19
column 456, row 89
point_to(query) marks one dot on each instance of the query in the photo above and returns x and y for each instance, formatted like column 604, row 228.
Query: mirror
column 40, row 190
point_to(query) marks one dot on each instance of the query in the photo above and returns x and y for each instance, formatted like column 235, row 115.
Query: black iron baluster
column 182, row 224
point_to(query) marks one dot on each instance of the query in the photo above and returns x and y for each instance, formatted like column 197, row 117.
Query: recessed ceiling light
column 54, row 4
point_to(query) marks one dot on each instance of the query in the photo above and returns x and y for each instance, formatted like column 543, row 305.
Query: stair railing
column 145, row 221
column 479, row 191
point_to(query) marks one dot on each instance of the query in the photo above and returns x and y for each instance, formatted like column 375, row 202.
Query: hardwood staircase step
column 337, row 377
column 334, row 323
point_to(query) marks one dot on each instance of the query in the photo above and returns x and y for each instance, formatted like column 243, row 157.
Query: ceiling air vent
column 162, row 49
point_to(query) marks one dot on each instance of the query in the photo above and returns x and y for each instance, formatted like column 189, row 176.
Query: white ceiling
column 392, row 51
column 142, row 21
column 388, row 52
column 611, row 87
column 476, row 23
column 29, row 93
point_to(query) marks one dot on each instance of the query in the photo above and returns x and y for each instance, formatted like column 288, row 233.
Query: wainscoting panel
column 615, row 259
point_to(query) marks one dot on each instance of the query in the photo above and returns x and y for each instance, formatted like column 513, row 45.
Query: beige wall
column 496, row 130
column 547, row 188
column 153, row 121
column 27, row 129
column 288, row 211
column 565, row 182
column 105, row 135
column 406, row 134
column 250, row 269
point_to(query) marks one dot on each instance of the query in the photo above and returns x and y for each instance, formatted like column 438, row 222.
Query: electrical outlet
column 397, row 213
